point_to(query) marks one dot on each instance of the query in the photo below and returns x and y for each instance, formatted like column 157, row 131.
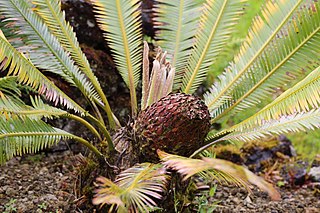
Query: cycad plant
column 279, row 58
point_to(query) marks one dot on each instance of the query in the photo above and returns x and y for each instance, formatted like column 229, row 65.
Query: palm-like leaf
column 13, row 107
column 295, row 99
column 177, row 25
column 292, row 60
column 46, row 52
column 120, row 19
column 134, row 189
column 9, row 85
column 28, row 74
column 296, row 122
column 189, row 167
column 19, row 136
column 9, row 96
column 216, row 25
column 50, row 12
column 254, row 54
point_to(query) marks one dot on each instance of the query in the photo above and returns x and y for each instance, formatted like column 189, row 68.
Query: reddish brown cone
column 177, row 123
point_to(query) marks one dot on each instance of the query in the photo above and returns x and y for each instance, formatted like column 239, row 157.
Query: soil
column 38, row 183
column 46, row 183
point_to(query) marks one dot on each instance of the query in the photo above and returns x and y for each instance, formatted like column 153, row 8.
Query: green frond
column 54, row 18
column 296, row 122
column 120, row 20
column 302, row 97
column 285, row 62
column 28, row 74
column 261, row 36
column 9, row 104
column 38, row 111
column 46, row 53
column 176, row 23
column 217, row 22
column 19, row 136
column 240, row 175
column 13, row 107
column 8, row 85
column 134, row 189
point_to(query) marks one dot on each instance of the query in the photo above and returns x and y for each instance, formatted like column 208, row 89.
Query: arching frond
column 38, row 111
column 287, row 60
column 176, row 23
column 9, row 85
column 46, row 52
column 261, row 36
column 304, row 96
column 19, row 136
column 134, row 189
column 216, row 25
column 28, row 74
column 120, row 19
column 189, row 167
column 54, row 18
column 296, row 122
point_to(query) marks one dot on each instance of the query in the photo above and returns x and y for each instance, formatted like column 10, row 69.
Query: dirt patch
column 45, row 183
column 303, row 199
column 38, row 183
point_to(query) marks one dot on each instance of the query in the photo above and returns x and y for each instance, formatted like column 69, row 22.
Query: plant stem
column 216, row 139
column 104, row 131
column 85, row 123
column 89, row 146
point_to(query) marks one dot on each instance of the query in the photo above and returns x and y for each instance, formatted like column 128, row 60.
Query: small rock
column 234, row 191
column 248, row 199
column 314, row 174
column 43, row 170
column 23, row 200
column 11, row 192
column 250, row 205
column 48, row 197
column 90, row 23
column 236, row 200
column 4, row 188
column 242, row 210
column 219, row 195
column 25, row 166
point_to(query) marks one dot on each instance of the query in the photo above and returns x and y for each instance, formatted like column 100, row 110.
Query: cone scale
column 177, row 123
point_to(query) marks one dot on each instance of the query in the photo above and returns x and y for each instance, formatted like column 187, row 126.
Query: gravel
column 303, row 199
column 45, row 183
column 38, row 183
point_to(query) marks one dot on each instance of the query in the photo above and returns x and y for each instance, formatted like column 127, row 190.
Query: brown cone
column 177, row 123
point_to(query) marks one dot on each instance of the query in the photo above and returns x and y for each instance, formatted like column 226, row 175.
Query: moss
column 228, row 152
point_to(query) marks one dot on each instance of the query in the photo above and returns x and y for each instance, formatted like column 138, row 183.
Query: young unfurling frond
column 134, row 189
